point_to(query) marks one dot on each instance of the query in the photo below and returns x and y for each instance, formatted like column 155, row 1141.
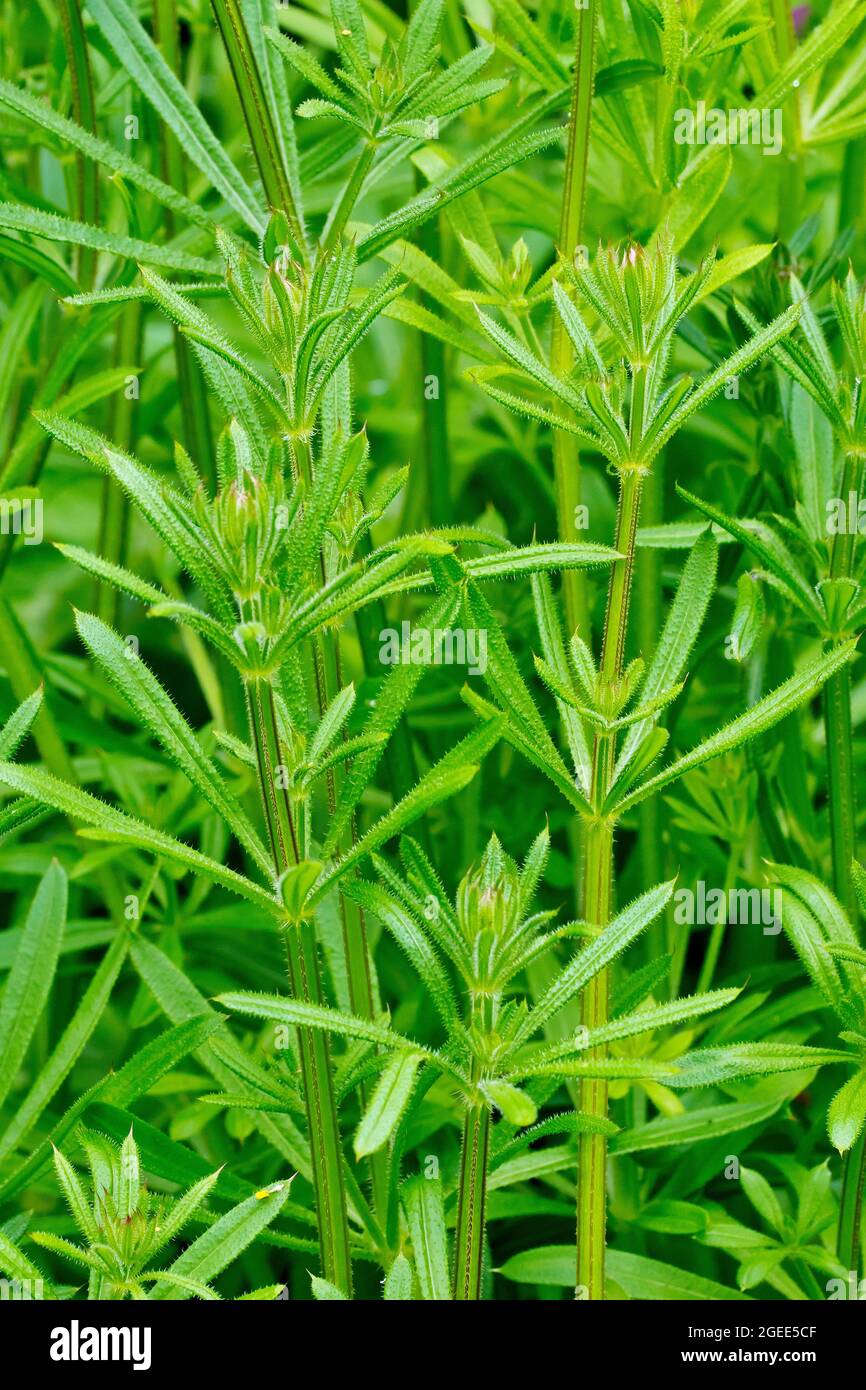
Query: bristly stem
column 305, row 983
column 472, row 1199
column 472, row 1181
column 841, row 787
column 197, row 433
column 356, row 951
column 114, row 521
column 437, row 457
column 257, row 114
column 791, row 174
column 851, row 1206
column 566, row 460
column 598, row 876
column 84, row 111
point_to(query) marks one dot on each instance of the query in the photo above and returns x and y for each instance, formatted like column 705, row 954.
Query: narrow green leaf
column 32, row 973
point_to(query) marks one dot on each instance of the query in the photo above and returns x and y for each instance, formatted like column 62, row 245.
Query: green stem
column 717, row 935
column 566, row 459
column 437, row 457
column 84, row 111
column 841, row 794
column 356, row 951
column 195, row 416
column 598, row 875
column 851, row 1206
column 853, row 180
column 840, row 785
column 342, row 212
column 257, row 114
column 648, row 578
column 838, row 729
column 792, row 181
column 469, row 1231
column 592, row 1154
column 115, row 507
column 305, row 983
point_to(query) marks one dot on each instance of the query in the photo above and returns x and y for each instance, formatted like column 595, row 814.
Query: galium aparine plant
column 500, row 329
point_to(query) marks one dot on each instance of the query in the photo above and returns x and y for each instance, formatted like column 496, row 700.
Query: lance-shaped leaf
column 762, row 716
column 391, row 701
column 32, row 973
column 847, row 1113
column 525, row 728
column 19, row 723
column 141, row 58
column 644, row 1020
column 133, row 171
column 711, row 1066
column 72, row 1042
column 15, row 1265
column 533, row 410
column 636, row 1275
column 296, row 1012
column 33, row 221
column 398, row 1280
column 387, row 1104
column 816, row 49
column 445, row 779
column 128, row 673
column 766, row 546
column 413, row 941
column 228, row 373
column 115, row 826
column 539, row 558
column 425, row 1213
column 503, row 152
column 813, row 919
column 694, row 1126
column 679, row 634
column 223, row 1057
column 151, row 497
column 601, row 1068
column 738, row 362
column 122, row 579
column 223, row 1242
column 609, row 944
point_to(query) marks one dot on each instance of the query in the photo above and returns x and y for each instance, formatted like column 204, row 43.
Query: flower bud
column 488, row 896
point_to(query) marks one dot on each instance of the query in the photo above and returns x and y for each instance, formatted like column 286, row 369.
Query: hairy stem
column 791, row 172
column 840, row 785
column 598, row 874
column 592, row 1154
column 194, row 413
column 566, row 460
column 84, row 111
column 257, row 113
column 469, row 1231
column 114, row 520
column 851, row 1206
column 305, row 983
column 841, row 794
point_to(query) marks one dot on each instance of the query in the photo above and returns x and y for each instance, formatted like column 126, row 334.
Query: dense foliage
column 429, row 598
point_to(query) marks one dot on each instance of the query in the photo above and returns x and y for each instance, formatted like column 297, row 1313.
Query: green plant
column 124, row 1229
column 310, row 373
